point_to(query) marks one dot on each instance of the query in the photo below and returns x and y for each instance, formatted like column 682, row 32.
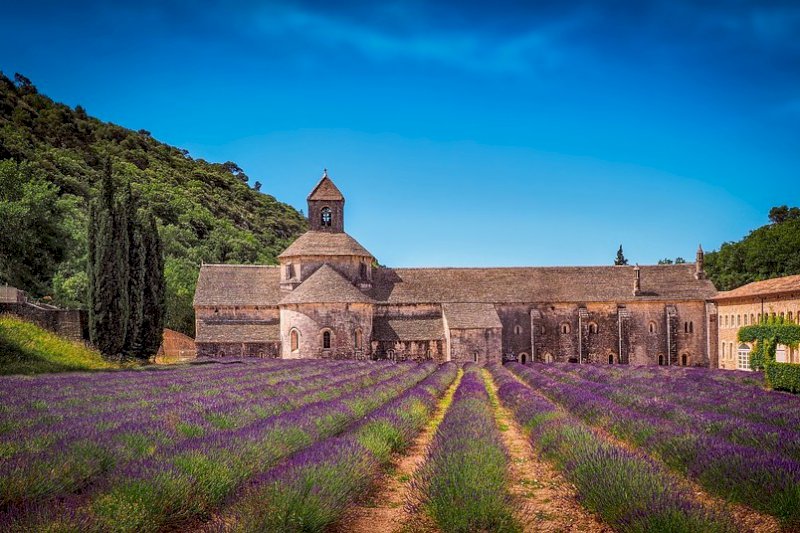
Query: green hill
column 51, row 157
column 767, row 252
column 28, row 349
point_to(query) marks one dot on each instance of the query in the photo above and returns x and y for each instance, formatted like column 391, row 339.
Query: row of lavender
column 43, row 460
column 463, row 484
column 312, row 489
column 187, row 477
column 725, row 453
column 627, row 490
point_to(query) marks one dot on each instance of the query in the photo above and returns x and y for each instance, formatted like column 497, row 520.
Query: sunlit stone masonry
column 329, row 298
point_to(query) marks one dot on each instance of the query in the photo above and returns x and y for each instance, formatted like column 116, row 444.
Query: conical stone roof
column 325, row 286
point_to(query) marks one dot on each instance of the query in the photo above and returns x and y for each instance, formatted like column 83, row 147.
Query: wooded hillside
column 51, row 160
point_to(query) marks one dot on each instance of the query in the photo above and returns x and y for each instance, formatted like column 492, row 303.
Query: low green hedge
column 783, row 376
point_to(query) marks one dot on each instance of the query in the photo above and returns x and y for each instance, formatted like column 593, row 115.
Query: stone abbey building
column 328, row 298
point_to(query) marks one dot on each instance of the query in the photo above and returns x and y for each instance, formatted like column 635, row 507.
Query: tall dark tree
column 620, row 260
column 136, row 276
column 154, row 290
column 108, row 270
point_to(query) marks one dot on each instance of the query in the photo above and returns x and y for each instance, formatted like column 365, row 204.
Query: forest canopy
column 51, row 162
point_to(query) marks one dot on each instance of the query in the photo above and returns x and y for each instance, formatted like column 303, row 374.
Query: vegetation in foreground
column 288, row 445
column 28, row 349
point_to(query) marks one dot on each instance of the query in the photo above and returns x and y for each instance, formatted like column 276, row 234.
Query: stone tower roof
column 325, row 243
column 325, row 286
column 326, row 190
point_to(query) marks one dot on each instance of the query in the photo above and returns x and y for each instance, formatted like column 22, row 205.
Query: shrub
column 783, row 376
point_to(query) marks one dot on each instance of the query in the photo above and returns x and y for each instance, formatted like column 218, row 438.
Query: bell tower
column 326, row 207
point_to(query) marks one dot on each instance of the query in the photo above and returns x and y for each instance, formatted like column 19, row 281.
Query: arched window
column 738, row 320
column 294, row 340
column 752, row 319
column 661, row 359
column 745, row 319
column 685, row 359
column 726, row 321
column 358, row 339
column 651, row 327
column 691, row 326
column 592, row 327
column 326, row 340
column 523, row 358
column 517, row 329
column 743, row 359
column 325, row 217
column 610, row 359
column 363, row 270
column 542, row 330
column 565, row 328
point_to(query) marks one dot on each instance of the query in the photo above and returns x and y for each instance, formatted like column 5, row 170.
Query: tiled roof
column 325, row 190
column 471, row 316
column 242, row 285
column 407, row 329
column 763, row 288
column 538, row 284
column 231, row 332
column 325, row 286
column 325, row 243
column 253, row 285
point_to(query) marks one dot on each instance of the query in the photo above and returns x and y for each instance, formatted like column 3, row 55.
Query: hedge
column 783, row 376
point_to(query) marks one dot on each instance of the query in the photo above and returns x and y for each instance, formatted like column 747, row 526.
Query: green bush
column 783, row 376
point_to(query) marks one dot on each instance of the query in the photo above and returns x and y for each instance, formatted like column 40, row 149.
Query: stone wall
column 72, row 324
column 312, row 320
column 630, row 333
column 264, row 350
column 476, row 345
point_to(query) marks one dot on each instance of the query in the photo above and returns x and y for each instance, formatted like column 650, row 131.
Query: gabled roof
column 538, row 284
column 226, row 285
column 325, row 243
column 326, row 190
column 260, row 285
column 471, row 316
column 407, row 328
column 325, row 286
column 763, row 288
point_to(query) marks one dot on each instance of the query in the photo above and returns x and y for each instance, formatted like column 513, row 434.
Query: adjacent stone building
column 777, row 297
column 328, row 298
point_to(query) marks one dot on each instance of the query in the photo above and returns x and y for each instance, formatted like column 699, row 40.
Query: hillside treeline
column 51, row 163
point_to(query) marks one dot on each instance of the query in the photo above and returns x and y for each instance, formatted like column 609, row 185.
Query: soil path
column 543, row 499
column 385, row 509
column 745, row 518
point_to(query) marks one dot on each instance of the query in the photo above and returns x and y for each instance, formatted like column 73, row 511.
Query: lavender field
column 290, row 445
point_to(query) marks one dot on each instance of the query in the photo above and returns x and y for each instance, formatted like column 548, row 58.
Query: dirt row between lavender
column 744, row 518
column 543, row 499
column 386, row 508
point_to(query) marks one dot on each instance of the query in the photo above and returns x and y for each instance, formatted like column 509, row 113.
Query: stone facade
column 328, row 299
column 779, row 297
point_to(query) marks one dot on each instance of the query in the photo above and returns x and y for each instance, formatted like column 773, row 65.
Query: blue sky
column 489, row 134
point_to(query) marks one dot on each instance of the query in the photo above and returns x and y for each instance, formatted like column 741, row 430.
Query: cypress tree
column 136, row 276
column 620, row 260
column 108, row 270
column 154, row 301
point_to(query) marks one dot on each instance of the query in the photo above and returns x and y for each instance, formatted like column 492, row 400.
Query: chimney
column 637, row 281
column 699, row 264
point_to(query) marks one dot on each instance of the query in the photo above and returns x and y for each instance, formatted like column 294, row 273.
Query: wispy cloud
column 471, row 49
